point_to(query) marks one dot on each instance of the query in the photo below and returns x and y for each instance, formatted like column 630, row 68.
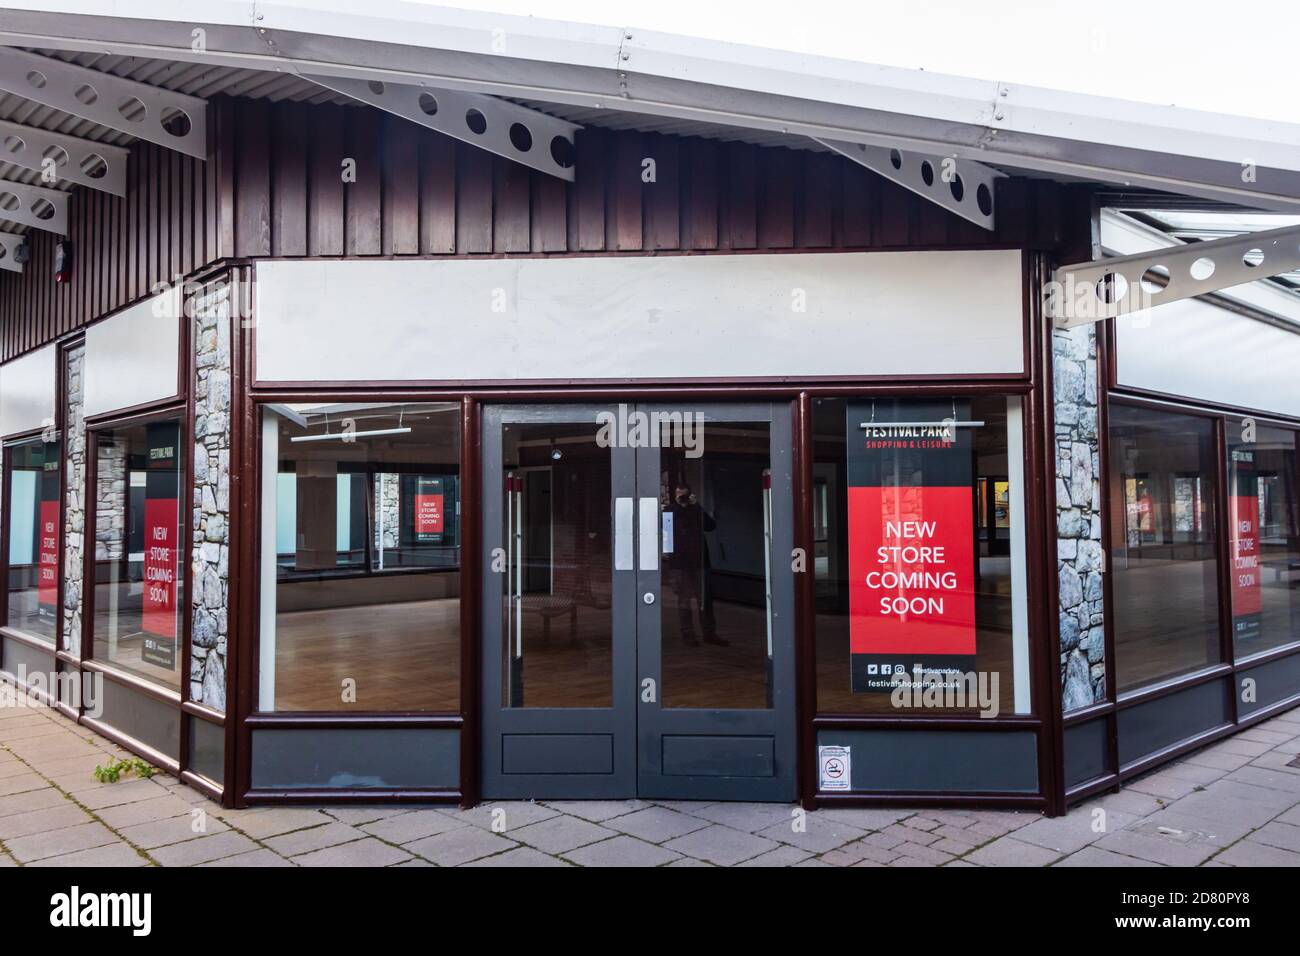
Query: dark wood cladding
column 122, row 247
column 274, row 185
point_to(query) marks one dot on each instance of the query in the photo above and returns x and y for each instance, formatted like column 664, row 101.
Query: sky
column 1224, row 57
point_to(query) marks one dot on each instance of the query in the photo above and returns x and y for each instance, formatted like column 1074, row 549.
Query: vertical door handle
column 649, row 534
column 622, row 534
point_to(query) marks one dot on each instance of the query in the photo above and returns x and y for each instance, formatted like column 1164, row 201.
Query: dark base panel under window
column 1086, row 752
column 1155, row 725
column 1275, row 681
column 960, row 761
column 152, row 722
column 354, row 759
column 207, row 749
column 19, row 660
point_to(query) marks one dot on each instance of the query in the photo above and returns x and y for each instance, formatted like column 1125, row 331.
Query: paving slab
column 656, row 824
column 781, row 856
column 597, row 811
column 171, row 830
column 560, row 833
column 313, row 838
column 405, row 827
column 49, row 843
column 621, row 851
column 367, row 852
column 721, row 845
column 1249, row 853
column 749, row 817
column 263, row 822
column 117, row 854
column 1096, row 856
column 1284, row 836
column 1167, row 850
column 817, row 834
column 520, row 856
column 30, row 800
column 67, row 814
column 260, row 858
column 203, row 849
column 1008, row 851
column 147, row 811
column 460, row 845
column 513, row 815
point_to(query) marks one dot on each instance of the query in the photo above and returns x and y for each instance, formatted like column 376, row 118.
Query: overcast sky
column 1228, row 57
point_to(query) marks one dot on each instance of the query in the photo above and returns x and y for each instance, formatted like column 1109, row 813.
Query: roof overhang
column 1250, row 162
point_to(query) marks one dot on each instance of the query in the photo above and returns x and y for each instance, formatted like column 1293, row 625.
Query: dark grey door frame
column 521, row 746
column 700, row 753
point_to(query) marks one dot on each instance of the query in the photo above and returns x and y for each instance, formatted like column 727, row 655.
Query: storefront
column 350, row 462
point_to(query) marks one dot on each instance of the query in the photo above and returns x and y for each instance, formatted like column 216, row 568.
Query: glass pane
column 1163, row 543
column 956, row 609
column 32, row 517
column 1264, row 520
column 556, row 617
column 138, row 586
column 716, row 623
column 364, row 614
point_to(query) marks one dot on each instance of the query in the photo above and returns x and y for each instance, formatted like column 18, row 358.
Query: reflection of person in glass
column 688, row 565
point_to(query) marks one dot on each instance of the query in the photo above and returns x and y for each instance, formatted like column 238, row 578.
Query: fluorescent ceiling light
column 349, row 436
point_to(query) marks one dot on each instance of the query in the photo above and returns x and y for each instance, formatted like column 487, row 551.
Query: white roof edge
column 665, row 74
column 1123, row 235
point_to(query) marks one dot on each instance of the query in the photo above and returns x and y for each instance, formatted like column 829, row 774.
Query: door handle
column 622, row 534
column 649, row 534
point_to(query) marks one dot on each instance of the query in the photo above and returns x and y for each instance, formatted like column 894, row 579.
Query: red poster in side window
column 47, row 582
column 428, row 514
column 1243, row 543
column 160, row 567
column 911, row 539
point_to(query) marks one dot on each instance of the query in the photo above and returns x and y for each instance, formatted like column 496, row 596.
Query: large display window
column 919, row 525
column 138, row 572
column 32, row 520
column 360, row 597
column 1263, row 537
column 1164, row 544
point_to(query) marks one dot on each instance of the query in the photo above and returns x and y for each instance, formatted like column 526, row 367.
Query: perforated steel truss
column 526, row 136
column 87, row 163
column 961, row 186
column 160, row 116
column 1089, row 291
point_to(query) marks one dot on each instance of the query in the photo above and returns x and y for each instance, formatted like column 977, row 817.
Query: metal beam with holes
column 9, row 243
column 527, row 136
column 961, row 186
column 34, row 206
column 147, row 112
column 82, row 161
column 1090, row 291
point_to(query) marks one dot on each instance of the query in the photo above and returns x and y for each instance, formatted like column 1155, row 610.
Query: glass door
column 715, row 620
column 638, row 625
column 558, row 605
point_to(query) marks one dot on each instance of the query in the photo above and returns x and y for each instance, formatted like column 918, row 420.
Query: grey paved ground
column 1236, row 803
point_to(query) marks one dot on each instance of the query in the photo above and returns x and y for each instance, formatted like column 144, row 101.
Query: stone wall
column 110, row 502
column 1078, row 518
column 211, row 495
column 388, row 503
column 74, row 505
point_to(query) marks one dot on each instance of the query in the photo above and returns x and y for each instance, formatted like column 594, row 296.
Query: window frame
column 52, row 646
column 253, row 521
column 185, row 546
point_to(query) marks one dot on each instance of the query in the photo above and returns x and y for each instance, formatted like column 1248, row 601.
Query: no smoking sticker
column 835, row 770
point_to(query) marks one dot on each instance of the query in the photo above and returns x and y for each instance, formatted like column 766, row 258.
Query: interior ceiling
column 206, row 81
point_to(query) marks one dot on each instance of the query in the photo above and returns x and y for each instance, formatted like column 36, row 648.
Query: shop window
column 919, row 531
column 138, row 542
column 32, row 518
column 1164, row 546
column 360, row 588
column 1264, row 537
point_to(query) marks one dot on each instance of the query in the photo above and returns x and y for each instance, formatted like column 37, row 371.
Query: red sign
column 47, row 581
column 160, row 569
column 1246, row 597
column 911, row 534
column 428, row 514
column 911, row 562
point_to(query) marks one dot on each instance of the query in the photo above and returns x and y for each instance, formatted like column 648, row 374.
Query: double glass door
column 638, row 601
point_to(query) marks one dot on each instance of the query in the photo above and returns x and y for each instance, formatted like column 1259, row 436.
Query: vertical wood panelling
column 289, row 181
column 437, row 194
column 273, row 185
column 325, row 183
